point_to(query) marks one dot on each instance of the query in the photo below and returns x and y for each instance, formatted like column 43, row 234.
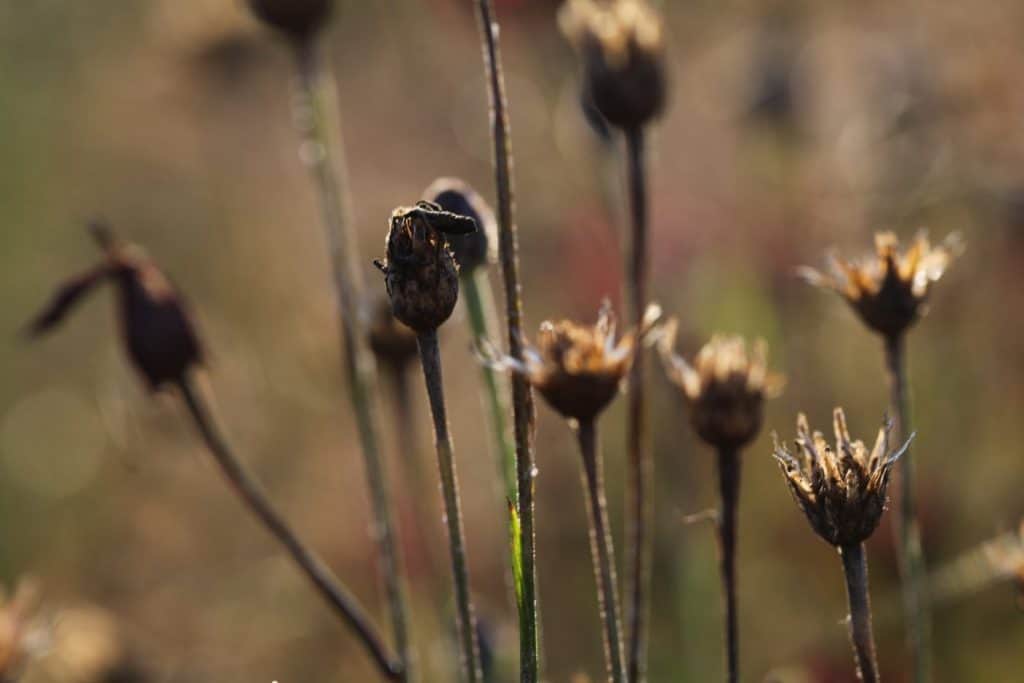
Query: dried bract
column 842, row 492
column 725, row 387
column 298, row 19
column 621, row 45
column 888, row 290
column 393, row 343
column 474, row 249
column 577, row 368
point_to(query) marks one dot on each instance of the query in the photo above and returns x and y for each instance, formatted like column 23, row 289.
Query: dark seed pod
column 393, row 343
column 474, row 249
column 420, row 273
column 299, row 19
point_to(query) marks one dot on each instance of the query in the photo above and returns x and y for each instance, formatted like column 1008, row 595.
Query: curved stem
column 601, row 549
column 325, row 155
column 905, row 522
column 252, row 494
column 640, row 465
column 470, row 650
column 522, row 396
column 855, row 568
column 729, row 491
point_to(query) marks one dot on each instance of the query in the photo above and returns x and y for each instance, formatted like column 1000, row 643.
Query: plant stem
column 479, row 300
column 601, row 550
column 729, row 492
column 641, row 467
column 252, row 494
column 905, row 522
column 326, row 160
column 522, row 396
column 855, row 568
column 470, row 652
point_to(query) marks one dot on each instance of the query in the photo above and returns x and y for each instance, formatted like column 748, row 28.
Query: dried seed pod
column 298, row 19
column 842, row 492
column 156, row 328
column 889, row 289
column 392, row 342
column 420, row 274
column 477, row 248
column 578, row 368
column 725, row 387
column 621, row 45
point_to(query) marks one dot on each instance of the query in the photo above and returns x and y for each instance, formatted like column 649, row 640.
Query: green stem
column 729, row 492
column 906, row 526
column 470, row 649
column 253, row 495
column 522, row 396
column 855, row 569
column 327, row 165
column 641, row 510
column 601, row 549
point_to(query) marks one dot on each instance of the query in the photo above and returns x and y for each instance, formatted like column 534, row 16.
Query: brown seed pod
column 392, row 342
column 299, row 19
column 474, row 249
column 420, row 274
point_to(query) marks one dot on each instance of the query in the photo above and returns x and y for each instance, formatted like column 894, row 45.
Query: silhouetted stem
column 252, row 494
column 324, row 153
column 641, row 509
column 855, row 568
column 907, row 529
column 469, row 647
column 522, row 396
column 729, row 491
column 601, row 549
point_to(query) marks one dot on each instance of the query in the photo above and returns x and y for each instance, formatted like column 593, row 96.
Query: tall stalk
column 640, row 465
column 522, row 396
column 855, row 568
column 602, row 550
column 916, row 608
column 252, row 494
column 470, row 649
column 729, row 492
column 325, row 156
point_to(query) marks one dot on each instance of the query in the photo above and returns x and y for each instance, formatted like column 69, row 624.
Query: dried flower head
column 155, row 326
column 393, row 343
column 298, row 19
column 621, row 44
column 725, row 387
column 474, row 249
column 888, row 290
column 420, row 274
column 578, row 368
column 843, row 491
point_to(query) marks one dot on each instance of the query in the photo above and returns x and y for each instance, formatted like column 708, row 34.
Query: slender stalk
column 906, row 527
column 641, row 467
column 252, row 494
column 522, row 396
column 470, row 649
column 601, row 550
column 855, row 568
column 326, row 161
column 729, row 492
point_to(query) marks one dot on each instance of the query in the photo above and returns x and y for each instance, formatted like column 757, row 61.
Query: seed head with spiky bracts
column 578, row 368
column 842, row 492
column 889, row 290
column 725, row 387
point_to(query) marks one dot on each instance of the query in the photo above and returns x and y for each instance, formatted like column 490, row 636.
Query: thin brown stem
column 253, row 495
column 601, row 549
column 522, row 397
column 905, row 522
column 466, row 623
column 729, row 492
column 640, row 465
column 855, row 568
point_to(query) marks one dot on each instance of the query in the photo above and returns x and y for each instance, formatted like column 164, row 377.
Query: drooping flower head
column 474, row 249
column 621, row 44
column 841, row 491
column 725, row 386
column 889, row 290
column 577, row 368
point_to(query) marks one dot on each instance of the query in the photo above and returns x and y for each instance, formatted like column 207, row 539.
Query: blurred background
column 792, row 127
